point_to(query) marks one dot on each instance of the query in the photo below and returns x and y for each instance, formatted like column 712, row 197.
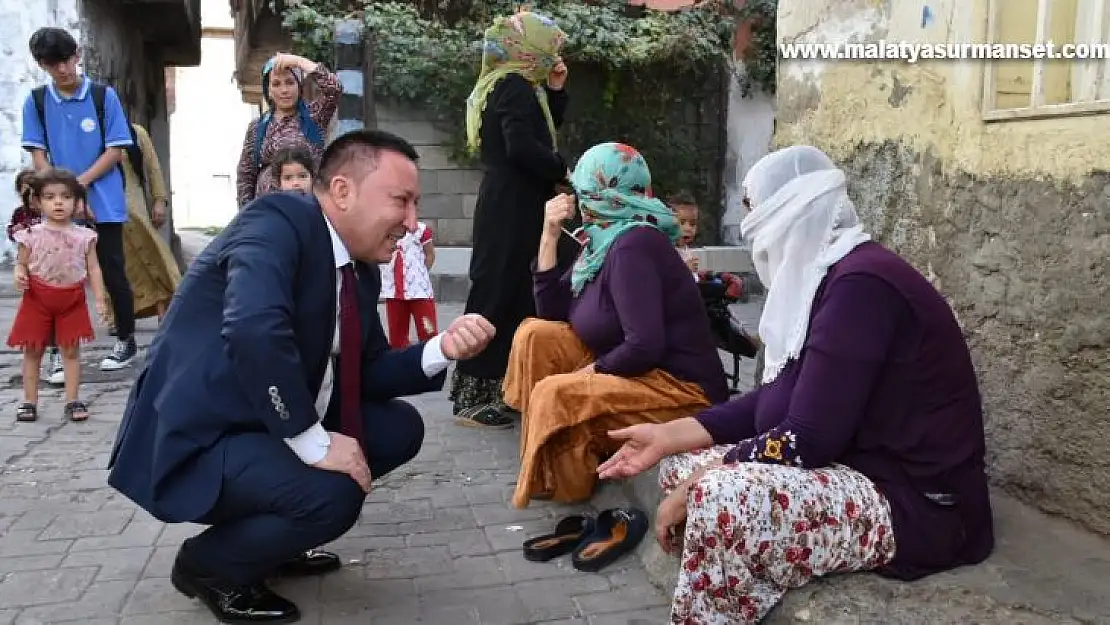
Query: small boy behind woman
column 407, row 287
column 685, row 208
column 54, row 260
column 294, row 170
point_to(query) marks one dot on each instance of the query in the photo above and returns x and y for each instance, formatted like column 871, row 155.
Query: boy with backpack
column 77, row 124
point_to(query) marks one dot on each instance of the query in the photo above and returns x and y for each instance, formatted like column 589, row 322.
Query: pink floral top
column 284, row 133
column 56, row 255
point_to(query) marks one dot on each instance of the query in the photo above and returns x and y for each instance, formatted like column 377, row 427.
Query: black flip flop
column 616, row 533
column 569, row 532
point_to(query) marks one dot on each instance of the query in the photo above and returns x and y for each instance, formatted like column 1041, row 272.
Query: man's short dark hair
column 50, row 45
column 682, row 197
column 52, row 176
column 289, row 156
column 364, row 148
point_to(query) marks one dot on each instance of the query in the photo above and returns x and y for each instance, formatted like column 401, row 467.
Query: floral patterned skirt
column 469, row 392
column 754, row 531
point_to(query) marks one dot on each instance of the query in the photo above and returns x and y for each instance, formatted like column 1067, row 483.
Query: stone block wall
column 18, row 75
column 450, row 190
column 1008, row 219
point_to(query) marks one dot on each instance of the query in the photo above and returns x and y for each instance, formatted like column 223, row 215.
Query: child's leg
column 32, row 362
column 71, row 361
column 424, row 314
column 397, row 318
column 54, row 368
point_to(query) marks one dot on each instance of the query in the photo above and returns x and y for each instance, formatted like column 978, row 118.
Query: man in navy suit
column 267, row 403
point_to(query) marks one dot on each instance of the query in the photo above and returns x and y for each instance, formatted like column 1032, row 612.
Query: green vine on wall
column 427, row 51
column 648, row 78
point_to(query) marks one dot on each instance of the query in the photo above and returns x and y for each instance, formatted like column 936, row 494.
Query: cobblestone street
column 437, row 542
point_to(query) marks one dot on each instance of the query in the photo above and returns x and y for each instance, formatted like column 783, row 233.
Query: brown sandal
column 76, row 411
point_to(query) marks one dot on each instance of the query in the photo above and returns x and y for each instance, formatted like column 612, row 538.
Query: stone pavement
column 437, row 542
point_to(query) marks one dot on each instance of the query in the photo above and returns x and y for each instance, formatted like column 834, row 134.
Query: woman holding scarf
column 512, row 117
column 863, row 449
column 291, row 121
column 622, row 338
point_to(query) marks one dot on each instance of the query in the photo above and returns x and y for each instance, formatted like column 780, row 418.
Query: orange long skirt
column 566, row 415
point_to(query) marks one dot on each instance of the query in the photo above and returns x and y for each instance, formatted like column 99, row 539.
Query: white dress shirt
column 312, row 445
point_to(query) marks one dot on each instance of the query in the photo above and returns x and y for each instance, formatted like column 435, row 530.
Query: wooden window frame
column 1037, row 109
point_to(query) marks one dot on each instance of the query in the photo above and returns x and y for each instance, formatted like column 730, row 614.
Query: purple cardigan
column 642, row 312
column 885, row 385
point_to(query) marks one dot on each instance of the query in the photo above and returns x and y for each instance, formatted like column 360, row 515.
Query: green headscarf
column 614, row 195
column 525, row 43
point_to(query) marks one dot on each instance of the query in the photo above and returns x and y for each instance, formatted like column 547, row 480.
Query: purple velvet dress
column 884, row 385
column 642, row 312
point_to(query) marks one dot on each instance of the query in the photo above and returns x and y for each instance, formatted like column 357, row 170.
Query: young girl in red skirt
column 55, row 259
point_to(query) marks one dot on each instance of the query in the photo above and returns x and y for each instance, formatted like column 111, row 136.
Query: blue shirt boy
column 75, row 143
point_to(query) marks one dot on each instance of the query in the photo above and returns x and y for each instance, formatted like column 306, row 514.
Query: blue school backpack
column 97, row 91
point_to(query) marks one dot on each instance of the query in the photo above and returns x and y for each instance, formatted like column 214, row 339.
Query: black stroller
column 718, row 290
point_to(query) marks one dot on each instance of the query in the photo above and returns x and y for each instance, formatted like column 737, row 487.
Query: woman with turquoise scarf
column 512, row 117
column 622, row 336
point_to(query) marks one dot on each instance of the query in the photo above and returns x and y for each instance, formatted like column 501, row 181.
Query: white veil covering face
column 801, row 223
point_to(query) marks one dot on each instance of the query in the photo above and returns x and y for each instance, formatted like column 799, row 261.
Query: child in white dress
column 407, row 288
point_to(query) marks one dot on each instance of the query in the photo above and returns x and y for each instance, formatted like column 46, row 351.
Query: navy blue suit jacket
column 243, row 348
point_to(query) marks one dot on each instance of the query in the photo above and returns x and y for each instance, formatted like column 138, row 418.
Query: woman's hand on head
column 284, row 61
column 558, row 209
column 644, row 446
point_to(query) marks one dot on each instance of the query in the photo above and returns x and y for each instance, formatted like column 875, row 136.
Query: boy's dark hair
column 64, row 177
column 681, row 198
column 24, row 185
column 50, row 45
column 360, row 145
column 289, row 156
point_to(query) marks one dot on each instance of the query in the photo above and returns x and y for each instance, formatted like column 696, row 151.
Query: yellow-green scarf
column 525, row 43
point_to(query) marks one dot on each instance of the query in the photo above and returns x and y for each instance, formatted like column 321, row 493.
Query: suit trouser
column 273, row 507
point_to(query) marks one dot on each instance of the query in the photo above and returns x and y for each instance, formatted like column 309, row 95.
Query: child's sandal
column 76, row 411
column 27, row 412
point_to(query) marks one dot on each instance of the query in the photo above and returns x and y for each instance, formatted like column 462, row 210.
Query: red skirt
column 47, row 310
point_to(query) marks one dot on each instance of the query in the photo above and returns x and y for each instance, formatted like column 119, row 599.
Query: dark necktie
column 350, row 356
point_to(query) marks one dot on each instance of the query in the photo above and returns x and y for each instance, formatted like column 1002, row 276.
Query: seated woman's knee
column 751, row 485
column 534, row 328
column 555, row 389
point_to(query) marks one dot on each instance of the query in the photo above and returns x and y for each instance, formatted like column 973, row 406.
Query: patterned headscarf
column 525, row 43
column 614, row 195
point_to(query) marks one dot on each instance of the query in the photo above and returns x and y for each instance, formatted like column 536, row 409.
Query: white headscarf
column 801, row 223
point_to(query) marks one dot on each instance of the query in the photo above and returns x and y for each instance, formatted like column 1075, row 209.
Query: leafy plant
column 649, row 78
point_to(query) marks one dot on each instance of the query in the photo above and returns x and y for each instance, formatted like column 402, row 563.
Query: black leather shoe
column 311, row 562
column 231, row 603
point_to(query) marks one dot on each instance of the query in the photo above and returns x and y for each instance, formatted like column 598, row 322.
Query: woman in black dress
column 512, row 117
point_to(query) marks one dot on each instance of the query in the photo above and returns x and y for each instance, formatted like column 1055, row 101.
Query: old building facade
column 992, row 178
column 125, row 43
column 206, row 146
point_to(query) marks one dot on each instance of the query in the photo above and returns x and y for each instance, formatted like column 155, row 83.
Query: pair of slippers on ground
column 593, row 542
